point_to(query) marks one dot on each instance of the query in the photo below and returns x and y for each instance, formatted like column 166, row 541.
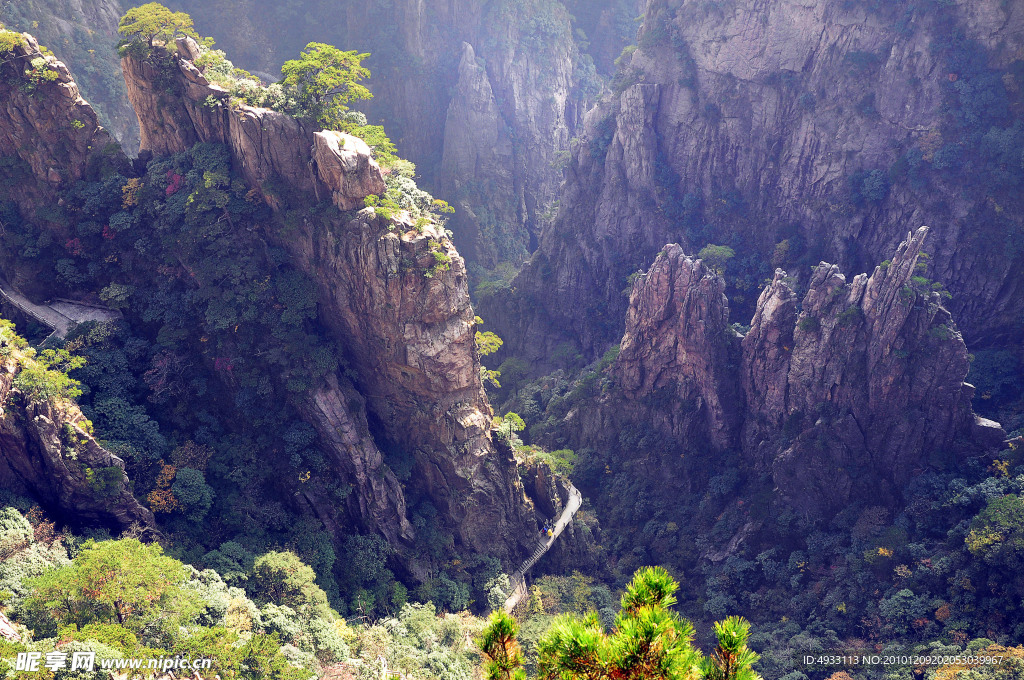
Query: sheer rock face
column 177, row 108
column 525, row 54
column 851, row 392
column 60, row 25
column 405, row 325
column 411, row 339
column 48, row 126
column 478, row 144
column 36, row 457
column 678, row 342
column 773, row 107
column 873, row 381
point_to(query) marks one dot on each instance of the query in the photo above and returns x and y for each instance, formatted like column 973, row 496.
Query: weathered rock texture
column 405, row 324
column 84, row 33
column 679, row 345
column 49, row 138
column 748, row 122
column 869, row 379
column 48, row 127
column 850, row 391
column 178, row 108
column 46, row 452
column 524, row 85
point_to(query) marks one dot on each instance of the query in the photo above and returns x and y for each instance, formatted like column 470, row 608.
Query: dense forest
column 313, row 330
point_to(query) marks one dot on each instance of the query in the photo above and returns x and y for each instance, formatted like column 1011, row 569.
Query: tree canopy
column 153, row 21
column 649, row 642
column 123, row 582
column 326, row 80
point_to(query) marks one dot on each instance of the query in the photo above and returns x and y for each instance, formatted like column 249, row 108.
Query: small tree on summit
column 326, row 80
column 153, row 21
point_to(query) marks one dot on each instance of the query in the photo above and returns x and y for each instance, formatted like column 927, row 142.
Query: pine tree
column 498, row 643
column 732, row 659
column 153, row 21
column 649, row 642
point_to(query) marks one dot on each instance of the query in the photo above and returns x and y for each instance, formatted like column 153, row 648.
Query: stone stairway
column 518, row 578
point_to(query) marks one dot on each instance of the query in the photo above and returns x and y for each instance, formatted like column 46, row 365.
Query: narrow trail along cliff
column 518, row 579
column 62, row 315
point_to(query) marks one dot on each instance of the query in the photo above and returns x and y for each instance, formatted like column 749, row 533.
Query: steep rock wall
column 679, row 345
column 46, row 451
column 409, row 337
column 84, row 33
column 867, row 378
column 49, row 126
column 850, row 391
column 526, row 53
column 49, row 139
column 817, row 124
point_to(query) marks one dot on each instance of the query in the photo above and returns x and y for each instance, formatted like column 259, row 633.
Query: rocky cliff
column 408, row 336
column 47, row 451
column 847, row 391
column 49, row 130
column 50, row 138
column 524, row 86
column 793, row 132
column 84, row 33
column 679, row 346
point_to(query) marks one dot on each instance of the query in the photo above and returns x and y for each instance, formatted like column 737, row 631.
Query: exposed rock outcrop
column 478, row 146
column 848, row 392
column 394, row 297
column 178, row 108
column 528, row 57
column 46, row 451
column 817, row 126
column 48, row 127
column 869, row 380
column 84, row 33
column 679, row 345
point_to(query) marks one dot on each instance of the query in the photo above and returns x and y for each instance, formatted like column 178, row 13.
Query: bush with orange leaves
column 161, row 499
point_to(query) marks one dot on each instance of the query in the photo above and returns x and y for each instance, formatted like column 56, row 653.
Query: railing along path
column 518, row 579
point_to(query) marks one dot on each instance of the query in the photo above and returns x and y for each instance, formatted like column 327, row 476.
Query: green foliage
column 503, row 658
column 37, row 73
column 997, row 532
column 808, row 324
column 850, row 316
column 105, row 482
column 9, row 40
column 561, row 461
column 649, row 640
column 716, row 256
column 15, row 532
column 260, row 659
column 869, row 186
column 123, row 582
column 442, row 260
column 732, row 659
column 282, row 578
column 487, row 343
column 193, row 493
column 46, row 376
column 327, row 79
column 152, row 22
column 383, row 149
column 508, row 424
